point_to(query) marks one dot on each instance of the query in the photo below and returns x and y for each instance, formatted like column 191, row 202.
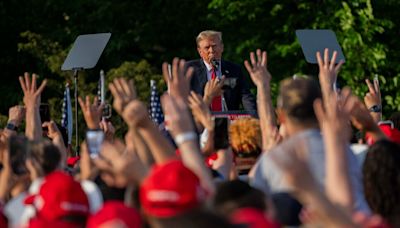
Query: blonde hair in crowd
column 245, row 135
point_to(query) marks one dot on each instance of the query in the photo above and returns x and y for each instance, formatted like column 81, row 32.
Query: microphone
column 215, row 64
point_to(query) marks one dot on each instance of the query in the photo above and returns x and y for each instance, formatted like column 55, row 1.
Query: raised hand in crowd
column 109, row 130
column 213, row 88
column 373, row 100
column 328, row 71
column 16, row 115
column 363, row 121
column 56, row 137
column 92, row 112
column 33, row 129
column 261, row 77
column 120, row 165
column 135, row 114
column 123, row 92
column 134, row 141
column 183, row 131
column 88, row 171
column 179, row 81
column 204, row 120
column 180, row 122
column 274, row 137
column 201, row 112
column 334, row 121
column 257, row 69
column 6, row 172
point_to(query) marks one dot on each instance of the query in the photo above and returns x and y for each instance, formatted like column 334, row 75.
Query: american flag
column 66, row 120
column 155, row 110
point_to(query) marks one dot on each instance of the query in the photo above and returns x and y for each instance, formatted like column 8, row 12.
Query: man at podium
column 220, row 82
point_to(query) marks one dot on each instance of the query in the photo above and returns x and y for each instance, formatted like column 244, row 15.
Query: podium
column 234, row 115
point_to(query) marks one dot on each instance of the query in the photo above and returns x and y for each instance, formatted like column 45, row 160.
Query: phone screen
column 106, row 111
column 221, row 135
column 44, row 111
column 18, row 151
column 94, row 140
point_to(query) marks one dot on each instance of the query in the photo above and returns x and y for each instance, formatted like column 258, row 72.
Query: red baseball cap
column 392, row 133
column 170, row 189
column 71, row 161
column 115, row 211
column 253, row 218
column 59, row 195
column 41, row 223
column 3, row 219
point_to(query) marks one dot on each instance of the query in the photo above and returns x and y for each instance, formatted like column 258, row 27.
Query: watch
column 375, row 108
column 12, row 127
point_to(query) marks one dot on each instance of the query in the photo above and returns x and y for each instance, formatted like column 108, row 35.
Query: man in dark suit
column 211, row 67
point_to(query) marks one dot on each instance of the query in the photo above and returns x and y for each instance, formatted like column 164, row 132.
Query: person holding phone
column 212, row 68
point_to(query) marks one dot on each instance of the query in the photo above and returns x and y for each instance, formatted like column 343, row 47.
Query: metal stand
column 76, row 112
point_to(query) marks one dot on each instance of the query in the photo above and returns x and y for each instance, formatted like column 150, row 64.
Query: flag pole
column 76, row 112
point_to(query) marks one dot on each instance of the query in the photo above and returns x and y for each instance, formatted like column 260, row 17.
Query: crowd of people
column 322, row 157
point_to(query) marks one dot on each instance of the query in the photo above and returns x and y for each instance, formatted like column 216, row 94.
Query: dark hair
column 381, row 179
column 45, row 154
column 109, row 192
column 236, row 194
column 197, row 218
column 296, row 98
column 395, row 118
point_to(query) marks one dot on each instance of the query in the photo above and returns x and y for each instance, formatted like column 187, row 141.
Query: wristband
column 375, row 108
column 11, row 126
column 183, row 137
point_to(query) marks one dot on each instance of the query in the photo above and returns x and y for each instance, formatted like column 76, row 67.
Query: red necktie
column 216, row 104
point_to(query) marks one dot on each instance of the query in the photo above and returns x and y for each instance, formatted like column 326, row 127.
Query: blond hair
column 208, row 34
column 245, row 135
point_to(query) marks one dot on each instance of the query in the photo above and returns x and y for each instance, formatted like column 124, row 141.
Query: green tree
column 271, row 25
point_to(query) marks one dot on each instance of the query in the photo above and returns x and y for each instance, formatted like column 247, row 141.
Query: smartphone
column 221, row 135
column 106, row 111
column 18, row 150
column 94, row 140
column 44, row 110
